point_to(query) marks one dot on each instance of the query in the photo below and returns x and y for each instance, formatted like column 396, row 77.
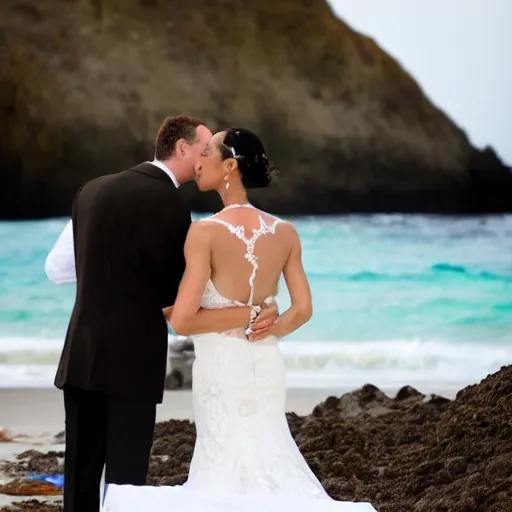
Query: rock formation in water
column 84, row 85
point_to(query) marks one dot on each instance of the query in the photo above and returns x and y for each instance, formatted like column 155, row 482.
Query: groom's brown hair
column 171, row 131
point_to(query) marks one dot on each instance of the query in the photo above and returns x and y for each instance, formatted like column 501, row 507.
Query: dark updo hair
column 247, row 149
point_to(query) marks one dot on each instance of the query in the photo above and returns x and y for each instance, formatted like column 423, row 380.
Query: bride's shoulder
column 273, row 220
column 206, row 223
column 270, row 218
column 199, row 229
column 285, row 229
column 288, row 227
column 278, row 220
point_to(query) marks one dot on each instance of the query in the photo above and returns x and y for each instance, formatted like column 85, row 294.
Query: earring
column 226, row 179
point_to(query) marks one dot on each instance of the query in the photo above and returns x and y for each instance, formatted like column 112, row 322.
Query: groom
column 127, row 235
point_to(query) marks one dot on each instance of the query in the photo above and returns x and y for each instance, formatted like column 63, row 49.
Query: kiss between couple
column 137, row 260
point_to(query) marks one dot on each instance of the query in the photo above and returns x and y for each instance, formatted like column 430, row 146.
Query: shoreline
column 38, row 413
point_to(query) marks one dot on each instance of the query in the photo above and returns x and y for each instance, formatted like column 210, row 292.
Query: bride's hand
column 262, row 326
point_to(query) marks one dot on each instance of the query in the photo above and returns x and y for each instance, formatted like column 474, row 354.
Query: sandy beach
column 403, row 451
column 34, row 416
column 39, row 413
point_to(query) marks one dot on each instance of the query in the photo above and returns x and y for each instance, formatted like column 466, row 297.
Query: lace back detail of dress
column 250, row 243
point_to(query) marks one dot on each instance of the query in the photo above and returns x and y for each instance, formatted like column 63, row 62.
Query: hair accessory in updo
column 247, row 149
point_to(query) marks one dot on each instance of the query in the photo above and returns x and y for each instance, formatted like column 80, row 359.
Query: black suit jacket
column 129, row 230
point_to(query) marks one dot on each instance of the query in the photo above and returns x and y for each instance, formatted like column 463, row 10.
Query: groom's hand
column 264, row 322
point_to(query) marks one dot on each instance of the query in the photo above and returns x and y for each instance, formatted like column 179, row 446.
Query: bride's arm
column 301, row 308
column 186, row 316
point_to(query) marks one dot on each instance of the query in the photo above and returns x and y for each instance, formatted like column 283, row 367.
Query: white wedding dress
column 245, row 458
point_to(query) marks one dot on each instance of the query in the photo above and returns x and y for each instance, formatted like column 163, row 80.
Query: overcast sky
column 460, row 51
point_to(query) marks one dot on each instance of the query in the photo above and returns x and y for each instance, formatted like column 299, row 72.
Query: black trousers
column 104, row 431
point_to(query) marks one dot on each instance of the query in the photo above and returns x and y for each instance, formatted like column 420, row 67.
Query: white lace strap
column 272, row 228
column 219, row 221
column 239, row 232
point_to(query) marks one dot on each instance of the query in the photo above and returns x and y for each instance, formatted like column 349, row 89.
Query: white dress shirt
column 161, row 165
column 60, row 262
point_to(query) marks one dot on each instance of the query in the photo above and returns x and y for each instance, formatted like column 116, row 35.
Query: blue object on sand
column 57, row 480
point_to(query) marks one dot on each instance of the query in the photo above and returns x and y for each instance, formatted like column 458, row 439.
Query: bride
column 245, row 458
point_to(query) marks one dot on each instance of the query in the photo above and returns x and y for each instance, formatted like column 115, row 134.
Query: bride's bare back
column 249, row 250
column 243, row 252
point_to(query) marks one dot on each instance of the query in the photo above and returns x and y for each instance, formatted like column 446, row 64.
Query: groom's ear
column 181, row 147
column 180, row 150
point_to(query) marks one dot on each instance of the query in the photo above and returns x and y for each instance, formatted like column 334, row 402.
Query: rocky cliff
column 84, row 85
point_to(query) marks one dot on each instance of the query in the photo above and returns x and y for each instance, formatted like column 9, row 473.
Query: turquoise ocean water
column 398, row 299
